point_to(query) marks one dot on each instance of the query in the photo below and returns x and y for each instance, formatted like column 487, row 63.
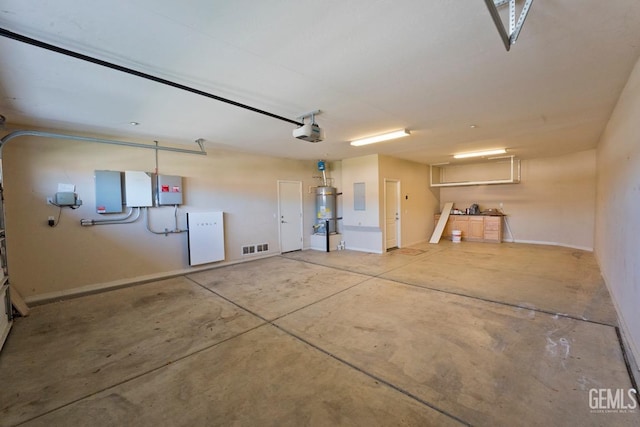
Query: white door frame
column 280, row 214
column 398, row 206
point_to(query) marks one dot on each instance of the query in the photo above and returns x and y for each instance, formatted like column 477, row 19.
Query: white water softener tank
column 326, row 209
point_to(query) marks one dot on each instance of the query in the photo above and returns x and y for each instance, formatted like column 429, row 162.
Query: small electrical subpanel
column 169, row 190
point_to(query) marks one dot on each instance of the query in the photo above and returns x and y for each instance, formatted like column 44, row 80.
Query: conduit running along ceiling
column 435, row 68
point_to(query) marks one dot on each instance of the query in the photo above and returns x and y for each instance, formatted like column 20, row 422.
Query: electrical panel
column 108, row 192
column 169, row 190
column 138, row 189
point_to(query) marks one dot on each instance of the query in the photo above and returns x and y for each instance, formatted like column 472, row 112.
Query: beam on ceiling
column 508, row 38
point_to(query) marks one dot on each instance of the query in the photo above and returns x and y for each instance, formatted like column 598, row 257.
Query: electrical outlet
column 49, row 200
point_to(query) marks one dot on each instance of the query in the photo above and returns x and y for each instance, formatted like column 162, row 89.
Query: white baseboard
column 123, row 283
column 539, row 242
column 408, row 245
column 116, row 284
column 633, row 349
column 633, row 355
column 368, row 250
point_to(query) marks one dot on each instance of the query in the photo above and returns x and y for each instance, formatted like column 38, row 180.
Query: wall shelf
column 497, row 170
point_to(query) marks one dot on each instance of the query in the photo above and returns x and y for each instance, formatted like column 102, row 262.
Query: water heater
column 326, row 209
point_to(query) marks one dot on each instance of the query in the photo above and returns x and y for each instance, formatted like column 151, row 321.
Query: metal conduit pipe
column 166, row 230
column 20, row 133
column 175, row 216
column 123, row 220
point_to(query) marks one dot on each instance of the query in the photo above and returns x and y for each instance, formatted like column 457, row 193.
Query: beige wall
column 361, row 229
column 418, row 201
column 617, row 240
column 364, row 230
column 45, row 260
column 553, row 204
column 361, row 169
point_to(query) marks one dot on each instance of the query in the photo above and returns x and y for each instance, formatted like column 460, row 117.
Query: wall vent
column 253, row 249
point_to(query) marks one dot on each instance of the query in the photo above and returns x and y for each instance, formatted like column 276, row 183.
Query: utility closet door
column 290, row 215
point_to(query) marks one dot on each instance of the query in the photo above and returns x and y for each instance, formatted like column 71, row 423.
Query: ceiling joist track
column 508, row 38
column 33, row 42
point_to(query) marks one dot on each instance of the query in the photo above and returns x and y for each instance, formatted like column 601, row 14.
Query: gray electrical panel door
column 169, row 190
column 108, row 192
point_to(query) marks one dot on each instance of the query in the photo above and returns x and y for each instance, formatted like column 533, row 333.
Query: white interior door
column 392, row 213
column 290, row 215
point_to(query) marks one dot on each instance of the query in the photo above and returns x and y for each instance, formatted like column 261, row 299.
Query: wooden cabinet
column 493, row 229
column 476, row 228
column 461, row 223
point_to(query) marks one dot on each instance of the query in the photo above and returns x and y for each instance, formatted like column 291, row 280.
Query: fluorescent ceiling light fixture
column 380, row 138
column 479, row 153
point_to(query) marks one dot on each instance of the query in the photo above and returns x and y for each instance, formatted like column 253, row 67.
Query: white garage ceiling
column 433, row 67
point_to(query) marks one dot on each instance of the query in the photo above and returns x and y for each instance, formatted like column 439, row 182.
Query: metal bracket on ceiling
column 310, row 114
column 508, row 38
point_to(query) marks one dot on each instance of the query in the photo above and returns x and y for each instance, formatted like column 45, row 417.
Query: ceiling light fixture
column 379, row 138
column 479, row 153
column 134, row 123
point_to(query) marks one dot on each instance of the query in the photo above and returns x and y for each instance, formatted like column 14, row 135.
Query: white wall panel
column 206, row 237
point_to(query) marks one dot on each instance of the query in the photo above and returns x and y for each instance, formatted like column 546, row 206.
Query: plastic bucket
column 456, row 236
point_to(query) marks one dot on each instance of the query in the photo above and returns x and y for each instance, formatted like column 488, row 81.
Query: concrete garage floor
column 447, row 334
